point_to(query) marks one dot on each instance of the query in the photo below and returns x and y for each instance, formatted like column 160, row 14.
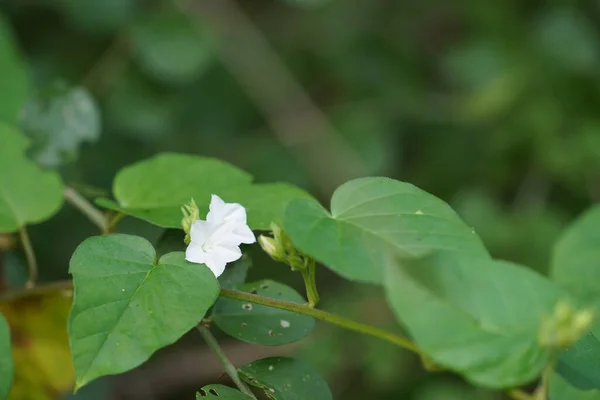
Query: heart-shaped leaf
column 27, row 193
column 58, row 119
column 286, row 379
column 576, row 267
column 127, row 304
column 259, row 324
column 6, row 362
column 155, row 189
column 490, row 313
column 222, row 392
column 369, row 217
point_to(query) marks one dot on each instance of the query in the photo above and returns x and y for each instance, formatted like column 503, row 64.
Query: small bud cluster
column 280, row 248
column 565, row 327
column 190, row 213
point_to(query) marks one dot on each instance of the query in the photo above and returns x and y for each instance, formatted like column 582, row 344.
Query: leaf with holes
column 489, row 336
column 59, row 119
column 371, row 216
column 576, row 267
column 222, row 392
column 127, row 304
column 259, row 324
column 6, row 361
column 560, row 389
column 155, row 189
column 28, row 194
column 286, row 379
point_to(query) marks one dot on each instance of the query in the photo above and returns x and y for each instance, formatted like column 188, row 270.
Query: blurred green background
column 489, row 105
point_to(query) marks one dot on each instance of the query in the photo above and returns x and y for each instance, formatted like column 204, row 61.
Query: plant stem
column 30, row 256
column 83, row 205
column 517, row 394
column 229, row 368
column 253, row 298
column 323, row 316
column 309, row 276
column 541, row 393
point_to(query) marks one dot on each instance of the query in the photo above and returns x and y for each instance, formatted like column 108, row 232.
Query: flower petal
column 200, row 231
column 245, row 234
column 195, row 254
column 225, row 212
column 227, row 253
column 215, row 264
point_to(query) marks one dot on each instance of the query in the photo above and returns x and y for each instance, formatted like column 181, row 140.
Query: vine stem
column 30, row 256
column 309, row 276
column 517, row 394
column 83, row 205
column 323, row 316
column 253, row 298
column 541, row 392
column 229, row 368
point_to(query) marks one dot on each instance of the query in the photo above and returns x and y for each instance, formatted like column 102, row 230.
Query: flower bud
column 191, row 213
column 565, row 327
column 281, row 238
column 272, row 248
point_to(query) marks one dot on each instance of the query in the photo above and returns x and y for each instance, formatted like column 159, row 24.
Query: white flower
column 215, row 242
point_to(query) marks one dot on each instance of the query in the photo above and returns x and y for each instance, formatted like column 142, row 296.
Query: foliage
column 133, row 108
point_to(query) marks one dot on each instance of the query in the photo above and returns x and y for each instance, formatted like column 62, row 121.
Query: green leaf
column 235, row 274
column 370, row 216
column 127, row 304
column 27, row 194
column 59, row 119
column 14, row 80
column 576, row 257
column 259, row 324
column 579, row 364
column 560, row 389
column 155, row 189
column 170, row 47
column 6, row 361
column 222, row 392
column 286, row 379
column 576, row 267
column 490, row 314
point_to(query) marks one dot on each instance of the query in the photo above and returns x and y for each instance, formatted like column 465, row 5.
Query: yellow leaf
column 43, row 366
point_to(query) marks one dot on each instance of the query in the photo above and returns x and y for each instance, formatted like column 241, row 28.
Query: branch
column 253, row 298
column 87, row 209
column 227, row 365
column 323, row 316
column 30, row 256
